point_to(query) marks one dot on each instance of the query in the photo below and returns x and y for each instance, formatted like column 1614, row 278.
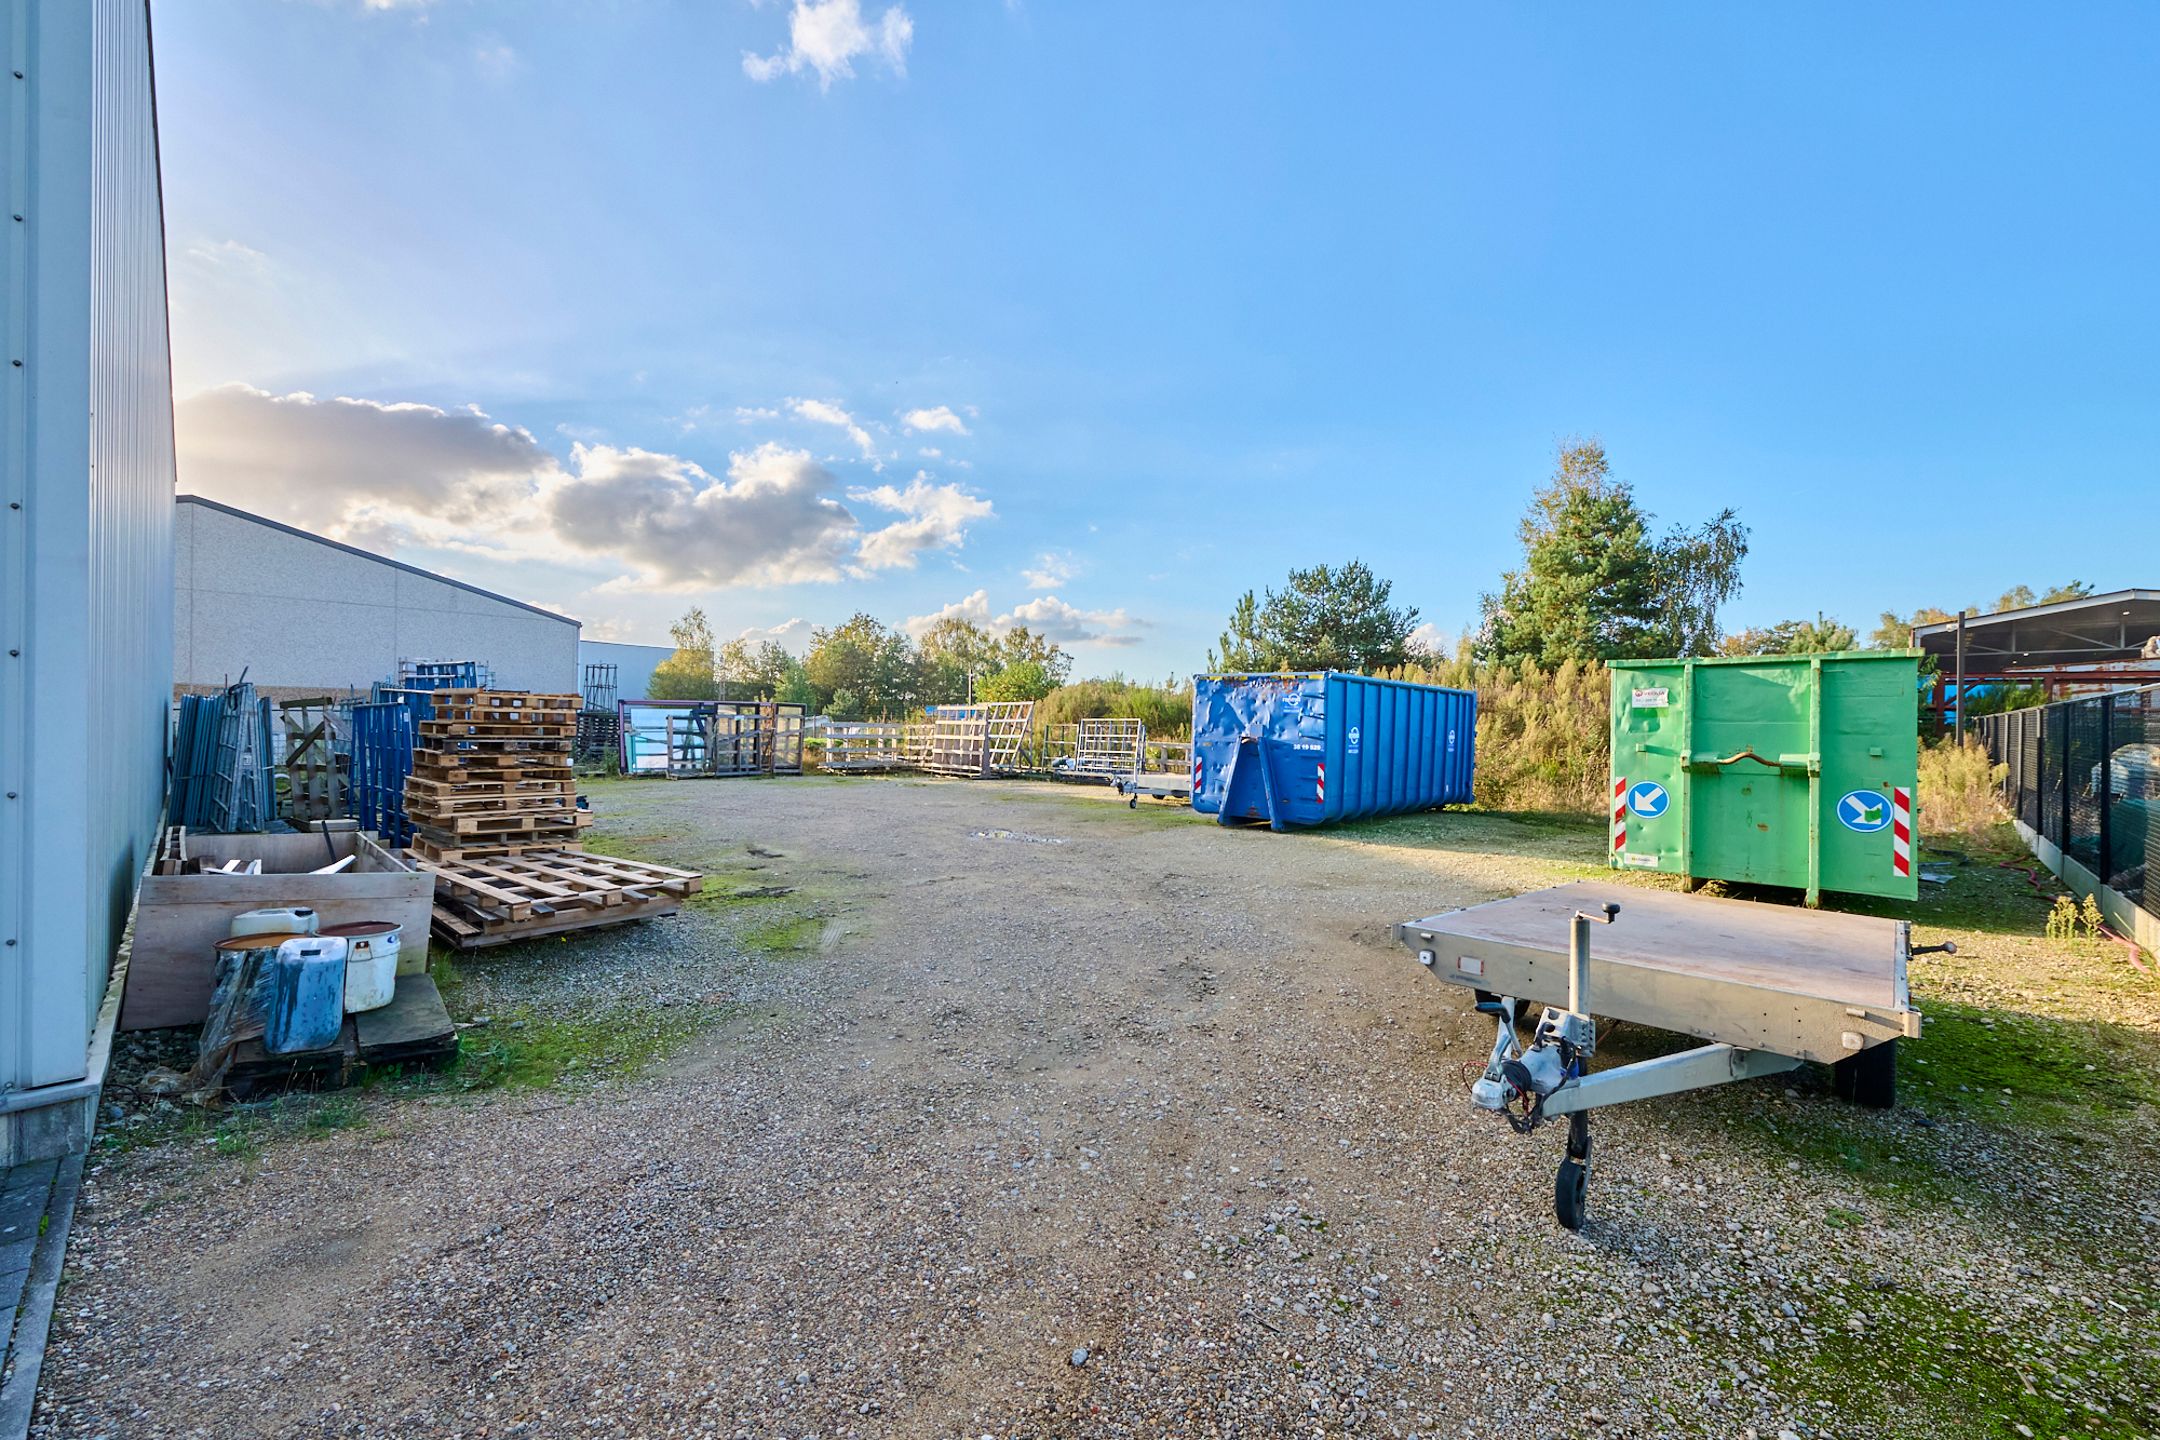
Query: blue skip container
column 1315, row 748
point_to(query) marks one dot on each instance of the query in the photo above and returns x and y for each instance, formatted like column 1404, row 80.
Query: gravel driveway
column 1052, row 1118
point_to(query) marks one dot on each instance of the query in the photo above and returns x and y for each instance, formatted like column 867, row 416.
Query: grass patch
column 793, row 935
column 522, row 1050
column 1932, row 1364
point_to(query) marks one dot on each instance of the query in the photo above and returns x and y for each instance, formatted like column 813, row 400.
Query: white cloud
column 1052, row 568
column 939, row 417
column 828, row 36
column 792, row 635
column 495, row 60
column 1048, row 617
column 937, row 519
column 975, row 609
column 830, row 412
column 1431, row 637
column 1053, row 619
column 392, row 475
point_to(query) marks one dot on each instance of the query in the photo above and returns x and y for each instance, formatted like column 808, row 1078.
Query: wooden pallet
column 469, row 767
column 516, row 784
column 426, row 848
column 490, row 800
column 517, row 700
column 415, row 1027
column 450, row 829
column 438, row 734
column 481, row 902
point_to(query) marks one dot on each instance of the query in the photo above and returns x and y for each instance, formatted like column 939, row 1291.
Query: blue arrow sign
column 1648, row 799
column 1864, row 810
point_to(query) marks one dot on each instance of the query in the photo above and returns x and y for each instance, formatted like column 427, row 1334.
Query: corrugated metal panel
column 88, row 557
column 1314, row 748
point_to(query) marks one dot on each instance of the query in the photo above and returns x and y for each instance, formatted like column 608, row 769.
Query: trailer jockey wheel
column 1869, row 1077
column 1571, row 1188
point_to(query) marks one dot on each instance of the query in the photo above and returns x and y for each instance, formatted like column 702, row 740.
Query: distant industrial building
column 307, row 615
column 634, row 664
column 2070, row 648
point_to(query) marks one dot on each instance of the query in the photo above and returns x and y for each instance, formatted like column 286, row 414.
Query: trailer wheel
column 1571, row 1194
column 1132, row 802
column 1868, row 1078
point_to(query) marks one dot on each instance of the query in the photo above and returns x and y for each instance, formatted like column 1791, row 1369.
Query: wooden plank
column 415, row 1025
column 565, row 922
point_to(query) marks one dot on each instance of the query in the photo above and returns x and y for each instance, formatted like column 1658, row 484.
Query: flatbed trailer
column 1769, row 987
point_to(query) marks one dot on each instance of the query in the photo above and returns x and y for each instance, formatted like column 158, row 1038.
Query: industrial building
column 2072, row 647
column 85, row 563
column 308, row 615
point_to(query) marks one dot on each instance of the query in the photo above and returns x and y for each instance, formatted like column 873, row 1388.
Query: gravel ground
column 1002, row 1110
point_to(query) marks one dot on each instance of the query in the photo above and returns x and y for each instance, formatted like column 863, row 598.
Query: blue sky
column 1094, row 315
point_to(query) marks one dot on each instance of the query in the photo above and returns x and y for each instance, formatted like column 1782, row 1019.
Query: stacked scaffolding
column 979, row 740
column 224, row 776
column 704, row 739
column 599, row 728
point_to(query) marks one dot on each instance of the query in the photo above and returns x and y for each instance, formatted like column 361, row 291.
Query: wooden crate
column 179, row 918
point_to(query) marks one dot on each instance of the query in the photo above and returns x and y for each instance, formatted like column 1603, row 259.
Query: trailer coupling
column 1548, row 1078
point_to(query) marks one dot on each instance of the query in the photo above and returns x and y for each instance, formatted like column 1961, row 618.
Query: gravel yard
column 965, row 1109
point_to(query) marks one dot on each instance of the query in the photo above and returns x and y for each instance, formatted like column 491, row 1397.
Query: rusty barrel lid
column 258, row 942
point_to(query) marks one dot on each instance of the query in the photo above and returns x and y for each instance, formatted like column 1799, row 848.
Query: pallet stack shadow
column 495, row 819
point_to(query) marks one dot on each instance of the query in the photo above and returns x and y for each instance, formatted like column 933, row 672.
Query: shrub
column 1165, row 710
column 1960, row 790
column 1542, row 733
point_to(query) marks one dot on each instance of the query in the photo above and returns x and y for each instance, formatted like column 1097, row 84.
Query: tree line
column 863, row 668
column 1596, row 582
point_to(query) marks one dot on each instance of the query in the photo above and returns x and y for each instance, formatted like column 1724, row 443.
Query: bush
column 1542, row 733
column 1960, row 791
column 1165, row 710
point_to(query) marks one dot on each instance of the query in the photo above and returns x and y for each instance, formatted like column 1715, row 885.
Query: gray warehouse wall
column 86, row 553
column 298, row 611
column 633, row 664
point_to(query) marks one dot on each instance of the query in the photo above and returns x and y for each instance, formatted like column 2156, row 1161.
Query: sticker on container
column 1353, row 739
column 1651, row 697
column 1470, row 964
column 1641, row 860
column 1648, row 799
column 1865, row 811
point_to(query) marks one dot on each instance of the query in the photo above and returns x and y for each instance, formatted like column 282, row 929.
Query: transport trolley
column 1768, row 987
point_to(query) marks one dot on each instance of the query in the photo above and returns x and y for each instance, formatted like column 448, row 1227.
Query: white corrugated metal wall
column 86, row 557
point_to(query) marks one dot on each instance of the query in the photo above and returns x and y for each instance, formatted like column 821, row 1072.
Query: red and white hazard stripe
column 1619, row 815
column 1323, row 780
column 1900, row 831
column 1196, row 774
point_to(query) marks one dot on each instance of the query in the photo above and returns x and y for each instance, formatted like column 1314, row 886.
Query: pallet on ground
column 414, row 1028
column 494, row 901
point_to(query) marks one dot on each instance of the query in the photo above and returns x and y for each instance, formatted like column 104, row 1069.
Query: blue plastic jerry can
column 307, row 995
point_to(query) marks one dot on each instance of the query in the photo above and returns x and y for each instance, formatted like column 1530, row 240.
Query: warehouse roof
column 2097, row 628
column 253, row 518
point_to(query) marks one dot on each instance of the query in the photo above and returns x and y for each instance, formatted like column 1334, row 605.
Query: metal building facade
column 302, row 612
column 86, row 538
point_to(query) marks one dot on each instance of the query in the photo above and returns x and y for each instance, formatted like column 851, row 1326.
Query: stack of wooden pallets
column 491, row 775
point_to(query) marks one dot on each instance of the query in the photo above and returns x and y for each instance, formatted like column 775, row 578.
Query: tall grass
column 1541, row 733
column 1960, row 790
column 1165, row 710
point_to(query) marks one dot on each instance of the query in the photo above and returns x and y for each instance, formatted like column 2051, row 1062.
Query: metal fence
column 2085, row 775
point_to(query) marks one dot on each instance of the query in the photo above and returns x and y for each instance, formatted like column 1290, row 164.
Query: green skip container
column 1787, row 770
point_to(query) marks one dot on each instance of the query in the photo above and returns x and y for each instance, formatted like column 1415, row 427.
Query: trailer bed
column 1807, row 983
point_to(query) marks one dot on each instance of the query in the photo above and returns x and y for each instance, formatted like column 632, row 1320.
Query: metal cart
column 1767, row 986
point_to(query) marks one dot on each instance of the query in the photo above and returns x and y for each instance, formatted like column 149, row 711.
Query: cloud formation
column 937, row 417
column 937, row 519
column 1048, row 617
column 387, row 475
column 1051, row 569
column 830, row 412
column 828, row 36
